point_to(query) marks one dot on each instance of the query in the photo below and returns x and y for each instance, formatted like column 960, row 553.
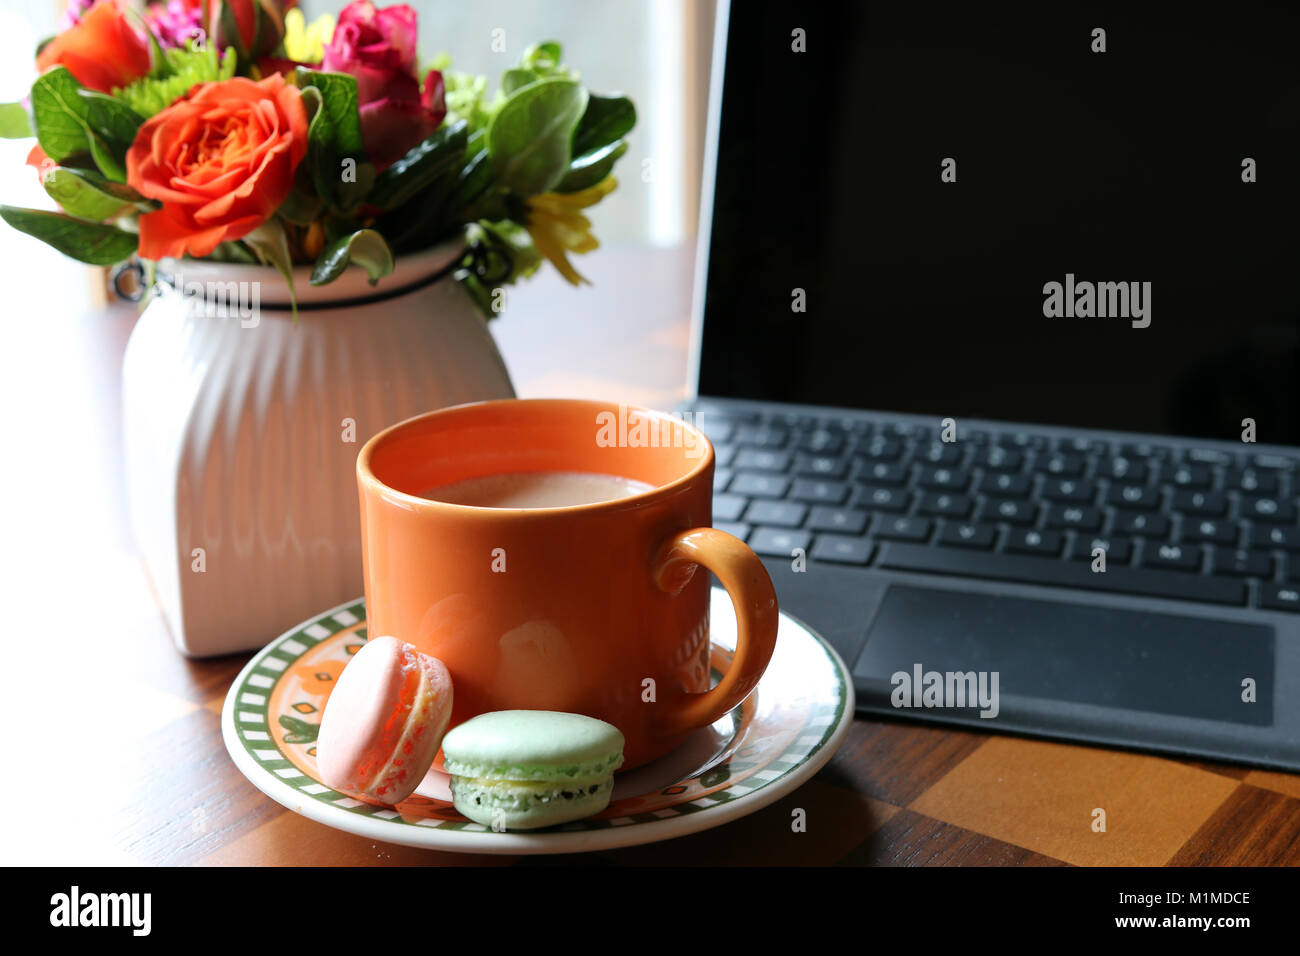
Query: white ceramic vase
column 242, row 429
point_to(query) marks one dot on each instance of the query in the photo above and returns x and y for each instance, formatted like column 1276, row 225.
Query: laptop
column 997, row 337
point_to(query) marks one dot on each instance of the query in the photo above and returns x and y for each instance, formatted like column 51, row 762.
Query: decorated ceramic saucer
column 775, row 740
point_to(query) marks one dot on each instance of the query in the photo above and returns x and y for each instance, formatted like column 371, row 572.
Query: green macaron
column 524, row 769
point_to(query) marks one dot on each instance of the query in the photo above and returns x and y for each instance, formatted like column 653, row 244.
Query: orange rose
column 221, row 161
column 103, row 51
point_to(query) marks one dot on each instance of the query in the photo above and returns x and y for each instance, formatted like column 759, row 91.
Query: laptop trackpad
column 1082, row 653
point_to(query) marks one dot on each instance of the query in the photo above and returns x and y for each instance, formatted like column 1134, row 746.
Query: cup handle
column 752, row 595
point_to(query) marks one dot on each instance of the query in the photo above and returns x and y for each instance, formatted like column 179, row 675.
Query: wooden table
column 92, row 670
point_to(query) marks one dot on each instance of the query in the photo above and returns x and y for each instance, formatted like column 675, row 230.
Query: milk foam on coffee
column 536, row 489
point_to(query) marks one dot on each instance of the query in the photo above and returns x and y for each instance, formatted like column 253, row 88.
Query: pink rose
column 377, row 46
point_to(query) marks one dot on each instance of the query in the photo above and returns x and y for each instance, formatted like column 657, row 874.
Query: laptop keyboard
column 1022, row 505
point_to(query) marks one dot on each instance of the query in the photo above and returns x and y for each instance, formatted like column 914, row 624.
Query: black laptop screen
column 1117, row 175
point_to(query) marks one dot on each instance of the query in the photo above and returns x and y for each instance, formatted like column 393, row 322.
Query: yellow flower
column 303, row 43
column 557, row 227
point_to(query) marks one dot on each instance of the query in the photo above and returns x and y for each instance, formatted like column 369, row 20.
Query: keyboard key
column 762, row 460
column 737, row 415
column 1291, row 567
column 997, row 458
column 1012, row 512
column 1146, row 525
column 1022, row 440
column 1078, row 517
column 823, row 441
column 737, row 528
column 795, row 421
column 1120, row 468
column 1136, row 497
column 841, row 550
column 762, row 436
column 1004, row 485
column 1084, row 446
column 819, row 492
column 938, row 453
column 1061, row 464
column 1185, row 475
column 881, row 499
column 1263, row 536
column 903, row 529
column 1070, row 574
column 1277, row 462
column 721, row 478
column 1075, row 491
column 1211, row 503
column 905, row 430
column 841, row 520
column 1030, row 541
column 1267, row 509
column 717, row 429
column 1118, row 550
column 1145, row 449
column 943, row 479
column 1279, row 597
column 728, row 507
column 945, row 505
column 1242, row 564
column 786, row 514
column 759, row 486
column 778, row 542
column 880, row 448
column 967, row 535
column 1172, row 557
column 724, row 455
column 1207, row 456
column 821, row 466
column 1251, row 480
column 883, row 473
column 1205, row 529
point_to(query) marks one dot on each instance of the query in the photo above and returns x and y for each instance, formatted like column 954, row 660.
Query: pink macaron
column 384, row 721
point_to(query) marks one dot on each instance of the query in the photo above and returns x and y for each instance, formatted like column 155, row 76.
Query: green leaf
column 591, row 168
column 112, row 119
column 300, row 207
column 271, row 245
column 106, row 159
column 529, row 139
column 339, row 95
column 607, row 120
column 91, row 242
column 515, row 79
column 353, row 191
column 71, row 120
column 86, row 195
column 471, row 182
column 438, row 153
column 322, row 158
column 59, row 114
column 365, row 247
column 14, row 121
column 543, row 58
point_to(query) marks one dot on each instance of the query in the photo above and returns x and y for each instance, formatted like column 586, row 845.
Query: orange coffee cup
column 595, row 609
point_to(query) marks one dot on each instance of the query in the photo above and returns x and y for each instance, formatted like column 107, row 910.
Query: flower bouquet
column 232, row 130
